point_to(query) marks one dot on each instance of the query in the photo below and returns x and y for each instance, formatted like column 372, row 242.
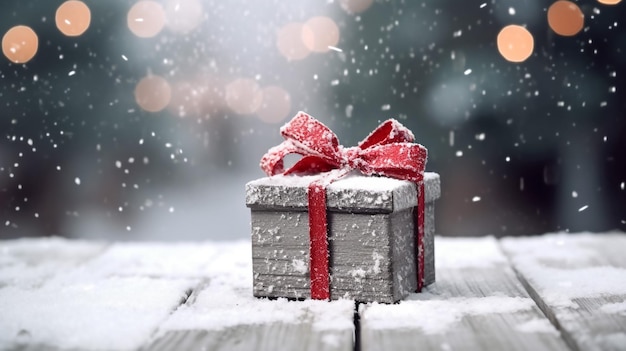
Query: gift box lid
column 352, row 193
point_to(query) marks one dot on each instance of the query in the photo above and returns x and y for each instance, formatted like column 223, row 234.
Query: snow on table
column 80, row 295
column 114, row 313
column 64, row 294
column 224, row 306
column 579, row 281
column 75, row 295
column 477, row 303
column 30, row 262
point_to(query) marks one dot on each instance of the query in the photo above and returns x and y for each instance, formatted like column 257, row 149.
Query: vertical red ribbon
column 420, row 235
column 318, row 247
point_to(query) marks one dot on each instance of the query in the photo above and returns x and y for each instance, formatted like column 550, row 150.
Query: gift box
column 371, row 236
column 343, row 222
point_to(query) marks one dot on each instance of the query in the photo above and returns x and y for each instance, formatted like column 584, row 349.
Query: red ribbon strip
column 420, row 236
column 388, row 151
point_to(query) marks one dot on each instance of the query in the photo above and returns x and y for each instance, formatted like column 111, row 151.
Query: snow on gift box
column 354, row 223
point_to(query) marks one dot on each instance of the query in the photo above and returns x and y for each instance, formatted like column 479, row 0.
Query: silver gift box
column 371, row 236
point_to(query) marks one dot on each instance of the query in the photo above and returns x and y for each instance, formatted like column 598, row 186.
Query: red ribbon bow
column 388, row 151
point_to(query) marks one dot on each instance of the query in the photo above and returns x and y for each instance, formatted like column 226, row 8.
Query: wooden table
column 552, row 292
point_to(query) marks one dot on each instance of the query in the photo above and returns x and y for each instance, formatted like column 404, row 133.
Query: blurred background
column 143, row 120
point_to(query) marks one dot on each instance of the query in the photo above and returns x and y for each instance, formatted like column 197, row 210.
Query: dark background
column 522, row 148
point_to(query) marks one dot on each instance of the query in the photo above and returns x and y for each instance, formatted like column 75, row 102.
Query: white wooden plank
column 579, row 280
column 154, row 259
column 477, row 303
column 224, row 315
column 111, row 314
column 75, row 296
column 29, row 262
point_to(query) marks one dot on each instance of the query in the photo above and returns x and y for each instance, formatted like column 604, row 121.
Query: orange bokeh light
column 609, row 2
column 515, row 43
column 565, row 18
column 323, row 32
column 289, row 41
column 243, row 96
column 20, row 44
column 275, row 106
column 73, row 18
column 355, row 6
column 153, row 93
column 146, row 19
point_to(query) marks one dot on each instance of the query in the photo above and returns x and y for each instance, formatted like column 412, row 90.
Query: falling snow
column 218, row 91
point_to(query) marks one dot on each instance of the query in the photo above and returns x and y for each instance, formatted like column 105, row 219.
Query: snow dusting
column 174, row 260
column 442, row 314
column 121, row 313
column 27, row 263
column 614, row 308
column 373, row 184
column 355, row 180
column 299, row 266
column 227, row 301
column 537, row 325
column 129, row 290
column 456, row 253
column 566, row 267
column 219, row 307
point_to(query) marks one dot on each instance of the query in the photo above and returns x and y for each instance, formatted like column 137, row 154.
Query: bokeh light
column 73, row 18
column 20, row 44
column 153, row 93
column 183, row 16
column 243, row 96
column 515, row 43
column 275, row 105
column 146, row 19
column 323, row 32
column 289, row 41
column 565, row 18
column 186, row 100
column 202, row 98
column 609, row 2
column 355, row 6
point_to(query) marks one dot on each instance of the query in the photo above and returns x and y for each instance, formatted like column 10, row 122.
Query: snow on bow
column 389, row 151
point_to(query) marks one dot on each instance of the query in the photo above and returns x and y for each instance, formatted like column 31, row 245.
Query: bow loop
column 390, row 131
column 398, row 160
column 312, row 137
column 272, row 162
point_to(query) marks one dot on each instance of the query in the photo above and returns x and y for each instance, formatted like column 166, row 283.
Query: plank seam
column 357, row 327
column 545, row 309
column 190, row 296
